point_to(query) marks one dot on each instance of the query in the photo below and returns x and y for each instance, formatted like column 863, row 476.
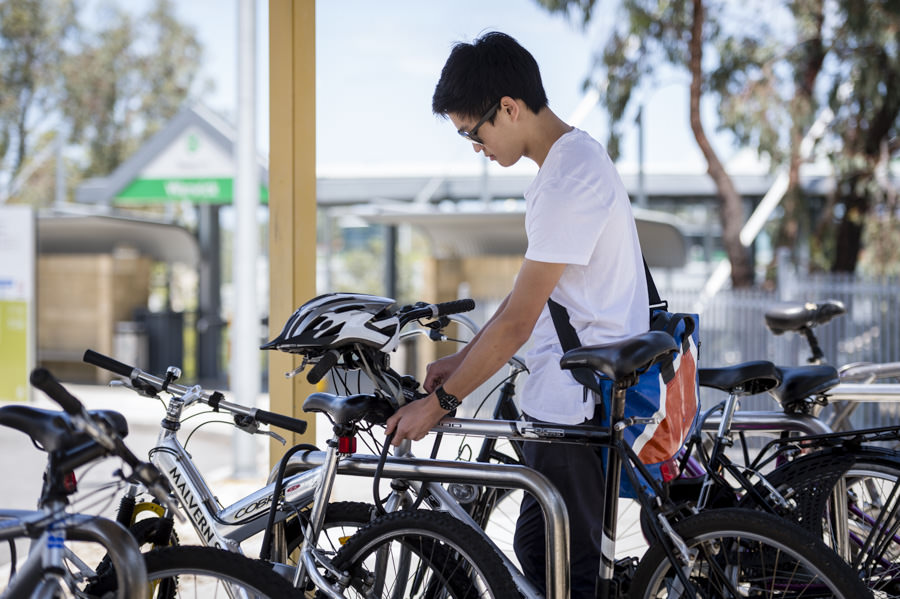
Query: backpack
column 667, row 391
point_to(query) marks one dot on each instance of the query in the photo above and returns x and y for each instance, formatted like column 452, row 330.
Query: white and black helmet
column 334, row 320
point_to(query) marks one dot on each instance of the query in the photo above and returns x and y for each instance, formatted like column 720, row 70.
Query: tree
column 678, row 33
column 849, row 51
column 126, row 81
column 105, row 87
column 32, row 38
column 769, row 78
column 867, row 49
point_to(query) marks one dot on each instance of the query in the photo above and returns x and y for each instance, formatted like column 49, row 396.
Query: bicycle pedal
column 623, row 574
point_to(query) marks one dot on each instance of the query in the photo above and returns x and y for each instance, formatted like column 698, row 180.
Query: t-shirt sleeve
column 564, row 221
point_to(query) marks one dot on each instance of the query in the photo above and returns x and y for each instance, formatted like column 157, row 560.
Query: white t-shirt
column 578, row 213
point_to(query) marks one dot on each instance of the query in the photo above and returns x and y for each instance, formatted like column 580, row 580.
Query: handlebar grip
column 42, row 379
column 286, row 422
column 325, row 363
column 455, row 307
column 107, row 363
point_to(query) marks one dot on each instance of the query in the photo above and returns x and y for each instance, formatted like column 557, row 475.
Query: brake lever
column 138, row 386
column 249, row 425
column 291, row 374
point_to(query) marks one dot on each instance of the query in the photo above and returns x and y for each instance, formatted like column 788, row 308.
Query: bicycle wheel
column 746, row 553
column 865, row 529
column 422, row 553
column 147, row 533
column 496, row 512
column 187, row 571
column 342, row 520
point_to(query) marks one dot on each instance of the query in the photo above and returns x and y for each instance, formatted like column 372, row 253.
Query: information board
column 17, row 305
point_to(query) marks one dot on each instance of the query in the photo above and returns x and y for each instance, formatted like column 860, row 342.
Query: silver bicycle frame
column 225, row 528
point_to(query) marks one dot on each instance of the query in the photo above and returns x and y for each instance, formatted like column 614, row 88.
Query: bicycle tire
column 873, row 508
column 428, row 552
column 191, row 571
column 145, row 532
column 758, row 553
column 342, row 520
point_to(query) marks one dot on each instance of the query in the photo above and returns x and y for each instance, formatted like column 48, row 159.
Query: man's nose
column 477, row 147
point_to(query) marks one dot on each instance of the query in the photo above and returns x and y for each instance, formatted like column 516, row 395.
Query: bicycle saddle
column 623, row 359
column 53, row 430
column 349, row 409
column 798, row 316
column 800, row 382
column 753, row 377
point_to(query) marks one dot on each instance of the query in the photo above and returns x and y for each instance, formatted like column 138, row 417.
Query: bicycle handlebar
column 436, row 310
column 211, row 398
column 321, row 368
column 100, row 431
column 42, row 379
column 107, row 363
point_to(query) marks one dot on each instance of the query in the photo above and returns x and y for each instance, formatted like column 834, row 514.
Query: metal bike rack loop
column 773, row 422
column 556, row 519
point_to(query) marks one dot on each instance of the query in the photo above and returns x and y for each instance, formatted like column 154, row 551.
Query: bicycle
column 298, row 501
column 802, row 318
column 73, row 438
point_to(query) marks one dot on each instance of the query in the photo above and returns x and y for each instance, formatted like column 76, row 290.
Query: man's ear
column 510, row 107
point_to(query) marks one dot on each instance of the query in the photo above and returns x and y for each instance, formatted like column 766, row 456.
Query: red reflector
column 69, row 483
column 346, row 444
column 669, row 470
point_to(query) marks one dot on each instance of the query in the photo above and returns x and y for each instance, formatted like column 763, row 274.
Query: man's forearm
column 497, row 342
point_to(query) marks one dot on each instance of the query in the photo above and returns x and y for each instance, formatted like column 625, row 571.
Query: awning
column 498, row 231
column 97, row 234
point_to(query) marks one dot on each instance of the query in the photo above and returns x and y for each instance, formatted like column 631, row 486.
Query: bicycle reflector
column 70, row 484
column 669, row 470
column 346, row 445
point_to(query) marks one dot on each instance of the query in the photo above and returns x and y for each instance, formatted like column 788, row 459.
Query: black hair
column 477, row 75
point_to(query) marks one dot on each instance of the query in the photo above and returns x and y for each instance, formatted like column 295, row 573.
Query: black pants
column 577, row 473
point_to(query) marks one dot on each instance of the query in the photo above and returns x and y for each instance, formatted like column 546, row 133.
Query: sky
column 377, row 64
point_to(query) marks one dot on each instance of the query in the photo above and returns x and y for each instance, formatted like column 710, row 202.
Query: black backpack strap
column 652, row 293
column 568, row 339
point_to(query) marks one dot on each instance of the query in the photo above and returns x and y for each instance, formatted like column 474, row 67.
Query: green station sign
column 197, row 190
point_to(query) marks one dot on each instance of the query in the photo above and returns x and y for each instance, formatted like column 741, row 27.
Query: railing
column 733, row 329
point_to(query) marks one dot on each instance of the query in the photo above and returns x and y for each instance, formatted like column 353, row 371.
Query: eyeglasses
column 473, row 134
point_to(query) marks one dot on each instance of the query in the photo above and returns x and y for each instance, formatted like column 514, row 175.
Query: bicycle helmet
column 334, row 320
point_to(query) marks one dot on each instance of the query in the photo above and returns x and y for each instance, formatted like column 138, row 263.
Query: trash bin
column 130, row 343
column 165, row 339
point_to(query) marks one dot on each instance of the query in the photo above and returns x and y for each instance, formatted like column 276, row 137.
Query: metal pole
column 245, row 327
column 60, row 200
column 642, row 190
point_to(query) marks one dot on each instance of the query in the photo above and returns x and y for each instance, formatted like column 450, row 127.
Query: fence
column 733, row 329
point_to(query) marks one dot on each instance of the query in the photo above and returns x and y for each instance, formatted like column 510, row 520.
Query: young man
column 583, row 251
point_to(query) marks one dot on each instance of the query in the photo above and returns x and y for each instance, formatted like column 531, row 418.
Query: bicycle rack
column 556, row 519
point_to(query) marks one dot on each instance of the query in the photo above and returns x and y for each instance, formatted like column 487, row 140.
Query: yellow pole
column 292, row 192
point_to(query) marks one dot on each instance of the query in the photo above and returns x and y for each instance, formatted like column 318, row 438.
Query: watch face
column 447, row 401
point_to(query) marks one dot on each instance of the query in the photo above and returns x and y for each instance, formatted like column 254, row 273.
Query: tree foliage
column 105, row 81
column 32, row 38
column 770, row 77
column 645, row 35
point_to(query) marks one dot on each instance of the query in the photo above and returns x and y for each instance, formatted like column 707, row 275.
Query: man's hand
column 414, row 420
column 437, row 372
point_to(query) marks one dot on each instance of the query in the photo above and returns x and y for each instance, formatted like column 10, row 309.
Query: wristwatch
column 448, row 402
